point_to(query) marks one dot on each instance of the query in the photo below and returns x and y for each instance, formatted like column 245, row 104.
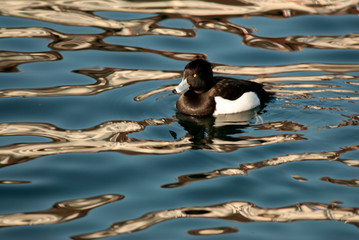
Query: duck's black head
column 197, row 76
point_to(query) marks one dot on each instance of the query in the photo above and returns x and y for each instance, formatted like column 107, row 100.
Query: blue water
column 294, row 165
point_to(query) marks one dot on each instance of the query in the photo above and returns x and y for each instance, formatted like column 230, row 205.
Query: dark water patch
column 24, row 44
column 176, row 23
column 9, row 140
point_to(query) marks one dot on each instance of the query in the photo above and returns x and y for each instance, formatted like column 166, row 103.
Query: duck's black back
column 230, row 88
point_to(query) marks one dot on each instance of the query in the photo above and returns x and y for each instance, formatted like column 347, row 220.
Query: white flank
column 247, row 101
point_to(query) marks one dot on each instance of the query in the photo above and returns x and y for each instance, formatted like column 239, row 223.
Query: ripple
column 349, row 183
column 299, row 178
column 322, row 88
column 350, row 121
column 282, row 126
column 111, row 78
column 60, row 212
column 10, row 60
column 234, row 211
column 210, row 15
column 106, row 79
column 244, row 168
column 108, row 136
column 205, row 134
column 212, row 231
column 281, row 8
column 13, row 182
column 299, row 67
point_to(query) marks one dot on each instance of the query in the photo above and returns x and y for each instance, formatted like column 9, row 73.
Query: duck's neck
column 210, row 82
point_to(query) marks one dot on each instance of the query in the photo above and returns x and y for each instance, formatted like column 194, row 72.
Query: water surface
column 91, row 146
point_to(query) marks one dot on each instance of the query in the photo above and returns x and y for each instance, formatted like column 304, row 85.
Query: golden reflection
column 321, row 77
column 349, row 41
column 143, row 96
column 212, row 15
column 243, row 212
column 304, row 92
column 112, row 78
column 106, row 79
column 350, row 121
column 279, row 8
column 212, row 231
column 299, row 178
column 282, row 126
column 13, row 182
column 10, row 60
column 210, row 134
column 323, row 108
column 349, row 183
column 244, row 168
column 60, row 212
column 299, row 67
column 108, row 136
column 74, row 42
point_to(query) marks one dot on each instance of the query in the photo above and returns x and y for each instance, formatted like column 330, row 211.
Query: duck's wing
column 231, row 89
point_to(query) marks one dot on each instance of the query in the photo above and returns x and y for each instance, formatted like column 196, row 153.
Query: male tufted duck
column 208, row 95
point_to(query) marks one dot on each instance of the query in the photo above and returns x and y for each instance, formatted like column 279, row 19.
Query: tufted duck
column 208, row 95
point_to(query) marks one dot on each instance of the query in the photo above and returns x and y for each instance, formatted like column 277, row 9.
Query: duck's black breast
column 195, row 104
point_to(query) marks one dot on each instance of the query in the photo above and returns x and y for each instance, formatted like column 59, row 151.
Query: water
column 91, row 145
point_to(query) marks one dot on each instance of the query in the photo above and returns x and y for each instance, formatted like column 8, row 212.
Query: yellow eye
column 194, row 75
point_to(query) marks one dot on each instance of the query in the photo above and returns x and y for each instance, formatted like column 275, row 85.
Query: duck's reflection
column 210, row 130
column 218, row 134
column 226, row 133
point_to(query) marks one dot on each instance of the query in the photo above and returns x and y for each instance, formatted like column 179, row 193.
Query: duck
column 202, row 94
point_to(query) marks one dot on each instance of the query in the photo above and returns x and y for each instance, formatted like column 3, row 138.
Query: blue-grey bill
column 182, row 87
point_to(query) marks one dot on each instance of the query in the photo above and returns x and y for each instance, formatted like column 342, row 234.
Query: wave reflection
column 243, row 169
column 212, row 15
column 281, row 8
column 212, row 231
column 108, row 136
column 243, row 212
column 349, row 183
column 10, row 60
column 106, row 79
column 314, row 83
column 225, row 133
column 112, row 78
column 75, row 42
column 211, row 134
column 61, row 212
